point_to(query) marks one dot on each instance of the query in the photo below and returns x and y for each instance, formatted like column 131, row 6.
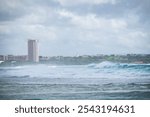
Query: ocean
column 96, row 81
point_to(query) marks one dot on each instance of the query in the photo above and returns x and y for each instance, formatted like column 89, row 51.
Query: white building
column 33, row 51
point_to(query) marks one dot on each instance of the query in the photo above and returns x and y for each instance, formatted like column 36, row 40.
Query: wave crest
column 107, row 64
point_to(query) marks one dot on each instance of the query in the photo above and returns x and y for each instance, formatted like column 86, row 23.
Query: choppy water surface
column 105, row 80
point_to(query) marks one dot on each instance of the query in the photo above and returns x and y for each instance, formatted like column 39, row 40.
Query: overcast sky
column 75, row 27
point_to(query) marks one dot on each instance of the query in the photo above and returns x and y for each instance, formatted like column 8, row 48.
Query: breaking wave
column 107, row 64
column 105, row 80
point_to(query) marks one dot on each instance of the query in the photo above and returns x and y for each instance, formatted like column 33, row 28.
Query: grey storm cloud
column 75, row 27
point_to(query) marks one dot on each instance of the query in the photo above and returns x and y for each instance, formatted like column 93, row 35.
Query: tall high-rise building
column 33, row 51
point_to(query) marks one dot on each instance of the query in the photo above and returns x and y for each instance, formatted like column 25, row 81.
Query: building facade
column 2, row 58
column 33, row 51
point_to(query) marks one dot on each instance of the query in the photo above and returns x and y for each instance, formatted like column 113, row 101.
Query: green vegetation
column 129, row 58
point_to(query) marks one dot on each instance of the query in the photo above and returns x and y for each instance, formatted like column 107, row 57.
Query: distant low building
column 10, row 58
column 21, row 58
column 2, row 58
column 16, row 58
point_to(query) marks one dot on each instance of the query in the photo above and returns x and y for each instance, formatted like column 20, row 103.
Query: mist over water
column 105, row 80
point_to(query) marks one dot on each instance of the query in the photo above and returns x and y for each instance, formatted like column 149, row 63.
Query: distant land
column 77, row 60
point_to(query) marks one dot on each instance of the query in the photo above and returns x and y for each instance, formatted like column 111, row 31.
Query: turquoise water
column 104, row 80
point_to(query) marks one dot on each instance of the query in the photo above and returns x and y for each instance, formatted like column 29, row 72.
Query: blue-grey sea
column 105, row 80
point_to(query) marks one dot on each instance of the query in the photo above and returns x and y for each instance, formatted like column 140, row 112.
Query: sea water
column 105, row 80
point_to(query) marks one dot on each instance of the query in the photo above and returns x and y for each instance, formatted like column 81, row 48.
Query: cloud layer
column 68, row 27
